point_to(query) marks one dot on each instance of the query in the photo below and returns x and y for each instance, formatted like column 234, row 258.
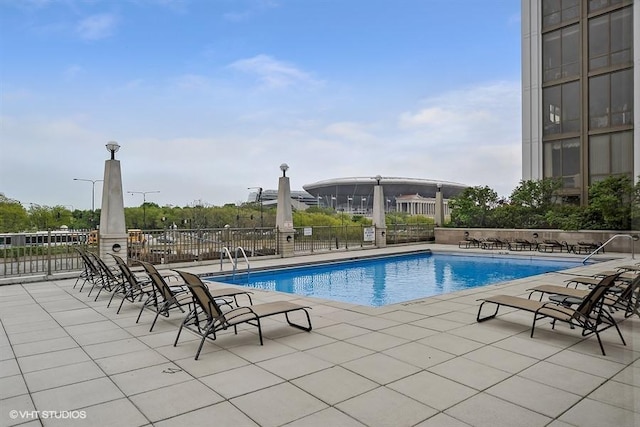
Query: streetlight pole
column 259, row 199
column 93, row 194
column 144, row 204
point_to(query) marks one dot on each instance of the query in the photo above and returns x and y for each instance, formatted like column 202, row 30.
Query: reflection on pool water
column 392, row 279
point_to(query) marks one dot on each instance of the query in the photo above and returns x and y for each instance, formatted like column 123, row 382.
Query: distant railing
column 53, row 252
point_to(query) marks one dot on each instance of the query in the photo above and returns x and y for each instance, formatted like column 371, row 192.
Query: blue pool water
column 391, row 279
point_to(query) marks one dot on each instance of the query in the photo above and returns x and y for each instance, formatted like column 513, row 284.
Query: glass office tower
column 580, row 83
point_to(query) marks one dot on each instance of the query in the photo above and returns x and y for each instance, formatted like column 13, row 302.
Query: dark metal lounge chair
column 132, row 288
column 553, row 245
column 208, row 318
column 589, row 315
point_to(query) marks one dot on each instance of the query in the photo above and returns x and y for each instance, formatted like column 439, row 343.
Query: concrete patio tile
column 45, row 346
column 326, row 417
column 629, row 375
column 339, row 352
column 113, row 348
column 9, row 368
column 402, row 316
column 527, row 347
column 334, row 385
column 383, row 407
column 451, row 343
column 538, row 397
column 278, row 405
column 374, row 323
column 26, row 327
column 77, row 317
column 161, row 339
column 245, row 379
column 616, row 351
column 62, row 375
column 151, row 378
column 500, row 359
column 489, row 332
column 210, row 363
column 409, row 332
column 294, row 365
column 62, row 305
column 174, row 400
column 585, row 363
column 37, row 335
column 437, row 324
column 561, row 377
column 6, row 353
column 381, row 368
column 483, row 410
column 52, row 359
column 23, row 404
column 115, row 413
column 91, row 328
column 592, row 413
column 28, row 320
column 344, row 316
column 470, row 373
column 220, row 414
column 131, row 361
column 12, row 386
column 376, row 341
column 442, row 420
column 102, row 336
column 342, row 331
column 418, row 354
column 78, row 395
column 618, row 394
column 187, row 349
column 254, row 352
column 305, row 341
column 432, row 390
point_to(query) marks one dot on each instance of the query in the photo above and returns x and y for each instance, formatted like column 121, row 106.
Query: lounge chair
column 626, row 298
column 170, row 294
column 469, row 242
column 587, row 247
column 551, row 245
column 90, row 272
column 589, row 315
column 133, row 288
column 522, row 245
column 214, row 319
column 110, row 279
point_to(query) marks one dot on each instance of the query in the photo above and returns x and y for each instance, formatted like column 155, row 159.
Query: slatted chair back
column 202, row 296
column 593, row 300
column 127, row 274
column 158, row 281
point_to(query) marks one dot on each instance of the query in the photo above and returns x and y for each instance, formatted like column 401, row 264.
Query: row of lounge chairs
column 208, row 308
column 518, row 244
column 590, row 308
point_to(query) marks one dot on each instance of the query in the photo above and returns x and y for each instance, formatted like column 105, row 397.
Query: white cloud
column 272, row 73
column 349, row 131
column 97, row 27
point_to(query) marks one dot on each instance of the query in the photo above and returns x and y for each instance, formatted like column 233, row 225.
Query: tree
column 13, row 216
column 611, row 202
column 472, row 207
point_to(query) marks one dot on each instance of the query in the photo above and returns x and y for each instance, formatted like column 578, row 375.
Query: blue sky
column 209, row 97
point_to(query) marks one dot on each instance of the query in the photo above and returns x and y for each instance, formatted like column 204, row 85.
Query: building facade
column 580, row 84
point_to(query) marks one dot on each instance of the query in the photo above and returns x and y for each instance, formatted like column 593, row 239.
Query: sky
column 209, row 97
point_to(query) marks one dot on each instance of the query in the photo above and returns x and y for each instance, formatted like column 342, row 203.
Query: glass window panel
column 597, row 4
column 621, row 98
column 599, row 102
column 599, row 155
column 621, row 36
column 598, row 42
column 621, row 153
column 571, row 51
column 551, row 100
column 570, row 9
column 552, row 159
column 551, row 10
column 571, row 107
column 551, row 52
column 571, row 162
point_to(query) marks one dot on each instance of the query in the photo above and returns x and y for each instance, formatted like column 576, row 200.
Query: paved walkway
column 424, row 363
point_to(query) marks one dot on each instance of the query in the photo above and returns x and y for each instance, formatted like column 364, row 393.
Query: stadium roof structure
column 356, row 190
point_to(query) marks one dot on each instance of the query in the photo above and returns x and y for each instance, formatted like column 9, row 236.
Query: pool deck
column 424, row 363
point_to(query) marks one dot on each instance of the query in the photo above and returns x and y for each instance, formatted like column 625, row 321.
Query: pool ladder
column 234, row 260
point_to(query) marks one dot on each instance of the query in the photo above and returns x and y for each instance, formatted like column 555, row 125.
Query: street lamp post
column 259, row 199
column 144, row 204
column 93, row 194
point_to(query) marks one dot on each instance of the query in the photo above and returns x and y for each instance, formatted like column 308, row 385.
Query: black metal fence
column 47, row 253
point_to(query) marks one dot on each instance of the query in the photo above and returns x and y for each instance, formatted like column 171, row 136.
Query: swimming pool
column 392, row 279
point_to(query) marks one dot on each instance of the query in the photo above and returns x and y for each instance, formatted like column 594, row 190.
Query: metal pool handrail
column 632, row 237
